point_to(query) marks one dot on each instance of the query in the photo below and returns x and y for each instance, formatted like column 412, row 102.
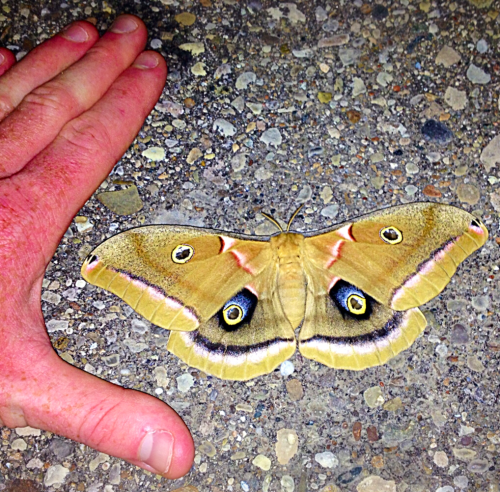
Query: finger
column 45, row 62
column 7, row 59
column 56, row 184
column 42, row 113
column 55, row 396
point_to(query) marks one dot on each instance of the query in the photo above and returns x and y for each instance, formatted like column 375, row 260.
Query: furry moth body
column 233, row 302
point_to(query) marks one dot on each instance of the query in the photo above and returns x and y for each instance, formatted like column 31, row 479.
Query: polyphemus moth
column 233, row 302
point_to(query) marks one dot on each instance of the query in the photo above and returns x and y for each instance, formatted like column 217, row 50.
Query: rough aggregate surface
column 346, row 107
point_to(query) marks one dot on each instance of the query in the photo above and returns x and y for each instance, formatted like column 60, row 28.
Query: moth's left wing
column 176, row 277
column 197, row 282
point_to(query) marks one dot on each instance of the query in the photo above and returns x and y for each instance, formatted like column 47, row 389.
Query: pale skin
column 68, row 112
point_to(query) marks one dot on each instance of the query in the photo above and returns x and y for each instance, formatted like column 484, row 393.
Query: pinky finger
column 7, row 59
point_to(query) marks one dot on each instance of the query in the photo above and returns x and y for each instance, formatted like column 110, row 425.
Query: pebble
column 474, row 364
column 154, row 153
column 446, row 488
column 441, row 459
column 198, row 69
column 224, row 127
column 358, row 87
column 379, row 11
column 19, row 444
column 338, row 40
column 482, row 46
column 478, row 466
column 459, row 335
column 464, row 454
column 287, row 445
column 55, row 476
column 286, row 368
column 271, row 136
column 193, row 48
column 374, row 483
column 122, row 202
column 331, row 25
column 437, row 132
column 185, row 382
column 61, row 448
column 295, row 389
column 412, row 168
column 455, row 98
column 477, row 75
column 481, row 303
column 287, row 483
column 326, row 194
column 356, row 431
column 447, row 56
column 324, row 97
column 245, row 79
column 262, row 462
column 321, row 14
column 490, row 156
column 373, row 397
column 194, row 155
column 353, row 116
column 207, row 448
column 372, row 434
column 393, row 405
column 461, row 481
column 384, row 79
column 331, row 211
column 442, row 350
column 468, row 193
column 326, row 459
column 185, row 18
column 349, row 56
column 305, row 194
column 224, row 69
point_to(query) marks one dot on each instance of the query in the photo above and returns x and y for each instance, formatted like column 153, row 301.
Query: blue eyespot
column 350, row 300
column 238, row 310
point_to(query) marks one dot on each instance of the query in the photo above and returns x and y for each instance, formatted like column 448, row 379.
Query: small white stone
column 19, row 444
column 442, row 350
column 154, row 153
column 441, row 459
column 185, row 382
column 55, row 476
column 262, row 462
column 287, row 368
column 326, row 459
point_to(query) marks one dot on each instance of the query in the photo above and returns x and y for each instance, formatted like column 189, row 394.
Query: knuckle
column 53, row 97
column 87, row 136
column 6, row 106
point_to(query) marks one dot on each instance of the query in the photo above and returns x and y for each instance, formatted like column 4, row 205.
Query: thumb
column 55, row 396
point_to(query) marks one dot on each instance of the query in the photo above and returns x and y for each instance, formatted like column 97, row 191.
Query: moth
column 233, row 302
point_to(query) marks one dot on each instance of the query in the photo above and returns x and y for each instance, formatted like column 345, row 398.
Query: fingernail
column 156, row 450
column 76, row 33
column 146, row 60
column 124, row 24
column 2, row 58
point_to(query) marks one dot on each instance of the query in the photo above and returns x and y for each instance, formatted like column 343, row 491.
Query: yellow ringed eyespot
column 233, row 314
column 356, row 304
column 391, row 235
column 182, row 253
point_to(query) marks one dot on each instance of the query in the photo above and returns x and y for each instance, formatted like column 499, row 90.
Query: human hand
column 68, row 112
